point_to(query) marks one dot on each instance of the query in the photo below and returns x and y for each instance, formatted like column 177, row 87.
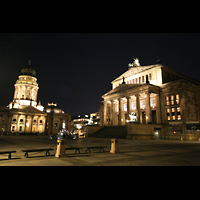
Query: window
column 149, row 76
column 134, row 105
column 130, row 81
column 167, row 100
column 21, row 120
column 168, row 114
column 20, row 128
column 136, row 80
column 177, row 98
column 172, row 99
column 173, row 114
column 139, row 79
column 179, row 113
column 13, row 128
column 153, row 102
column 14, row 120
column 117, row 108
column 142, row 104
column 143, row 79
column 133, row 80
column 125, row 107
column 56, row 125
column 40, row 121
column 127, row 82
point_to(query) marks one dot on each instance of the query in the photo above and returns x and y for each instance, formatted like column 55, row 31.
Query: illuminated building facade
column 23, row 115
column 155, row 95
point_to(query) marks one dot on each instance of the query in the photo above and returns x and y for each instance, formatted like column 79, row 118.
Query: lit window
column 125, row 107
column 134, row 105
column 142, row 104
column 167, row 100
column 178, row 109
column 173, row 117
column 173, row 109
column 117, row 108
column 179, row 117
column 177, row 99
column 168, row 118
column 172, row 100
column 153, row 102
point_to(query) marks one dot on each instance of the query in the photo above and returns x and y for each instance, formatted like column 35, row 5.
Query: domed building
column 26, row 89
column 57, row 119
column 23, row 115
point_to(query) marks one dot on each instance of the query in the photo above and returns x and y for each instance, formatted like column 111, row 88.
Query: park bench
column 98, row 147
column 73, row 148
column 36, row 150
column 7, row 152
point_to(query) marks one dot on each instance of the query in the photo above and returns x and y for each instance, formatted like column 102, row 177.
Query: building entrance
column 153, row 116
column 143, row 117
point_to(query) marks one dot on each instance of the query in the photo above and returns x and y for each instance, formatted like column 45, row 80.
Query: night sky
column 73, row 69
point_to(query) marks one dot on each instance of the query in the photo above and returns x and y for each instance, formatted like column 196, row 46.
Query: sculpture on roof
column 135, row 63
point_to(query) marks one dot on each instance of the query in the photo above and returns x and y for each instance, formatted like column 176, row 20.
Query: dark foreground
column 132, row 152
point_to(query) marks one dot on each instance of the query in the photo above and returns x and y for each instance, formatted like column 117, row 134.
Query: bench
column 99, row 147
column 36, row 150
column 73, row 148
column 7, row 152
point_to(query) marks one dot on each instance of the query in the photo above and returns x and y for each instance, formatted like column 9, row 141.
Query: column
column 119, row 117
column 105, row 113
column 128, row 108
column 158, row 116
column 138, row 107
column 148, row 110
column 111, row 113
column 25, row 92
column 31, row 122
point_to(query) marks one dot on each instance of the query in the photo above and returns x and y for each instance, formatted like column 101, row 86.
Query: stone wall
column 141, row 131
column 90, row 129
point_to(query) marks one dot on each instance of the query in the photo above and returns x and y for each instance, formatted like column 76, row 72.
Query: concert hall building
column 153, row 101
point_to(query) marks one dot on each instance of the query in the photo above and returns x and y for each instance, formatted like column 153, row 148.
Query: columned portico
column 143, row 102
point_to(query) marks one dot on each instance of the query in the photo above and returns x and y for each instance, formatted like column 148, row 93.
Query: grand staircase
column 111, row 132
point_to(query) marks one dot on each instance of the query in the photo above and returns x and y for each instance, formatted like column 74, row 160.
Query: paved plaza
column 132, row 152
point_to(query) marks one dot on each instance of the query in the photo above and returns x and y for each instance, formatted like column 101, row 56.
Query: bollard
column 60, row 152
column 114, row 146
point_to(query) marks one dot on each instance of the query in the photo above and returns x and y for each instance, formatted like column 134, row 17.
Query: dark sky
column 73, row 69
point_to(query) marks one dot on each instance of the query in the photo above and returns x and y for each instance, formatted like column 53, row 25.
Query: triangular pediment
column 133, row 71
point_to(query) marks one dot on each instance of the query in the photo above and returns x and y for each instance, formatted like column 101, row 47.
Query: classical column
column 25, row 93
column 158, row 116
column 128, row 108
column 119, row 117
column 105, row 113
column 138, row 106
column 111, row 113
column 32, row 122
column 148, row 110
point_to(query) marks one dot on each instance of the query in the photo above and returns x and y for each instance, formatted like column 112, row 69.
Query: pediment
column 133, row 71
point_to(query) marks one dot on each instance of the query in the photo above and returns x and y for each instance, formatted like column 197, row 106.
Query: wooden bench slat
column 9, row 153
column 36, row 150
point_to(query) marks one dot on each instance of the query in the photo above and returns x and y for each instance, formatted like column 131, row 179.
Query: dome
column 28, row 70
column 53, row 108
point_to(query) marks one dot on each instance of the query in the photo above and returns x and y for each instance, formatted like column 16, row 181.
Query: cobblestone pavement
column 132, row 152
